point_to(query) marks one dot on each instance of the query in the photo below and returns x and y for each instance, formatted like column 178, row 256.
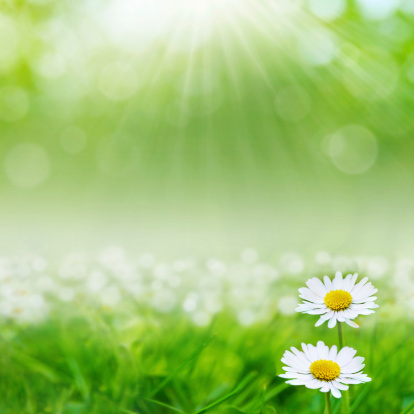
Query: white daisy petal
column 319, row 322
column 289, row 375
column 295, row 382
column 316, row 311
column 347, row 283
column 337, row 282
column 295, row 375
column 358, row 286
column 351, row 323
column 291, row 364
column 300, row 355
column 367, row 298
column 327, row 282
column 300, row 381
column 310, row 296
column 366, row 312
column 314, row 384
column 294, row 369
column 354, row 279
column 316, row 286
column 305, row 308
column 366, row 291
column 346, row 380
column 349, row 314
column 294, row 363
column 355, row 365
column 345, row 356
column 335, row 392
column 333, row 353
column 369, row 304
column 340, row 317
column 360, row 377
column 313, row 352
column 306, row 352
column 357, row 307
column 323, row 350
column 313, row 305
column 332, row 321
column 328, row 314
column 340, row 386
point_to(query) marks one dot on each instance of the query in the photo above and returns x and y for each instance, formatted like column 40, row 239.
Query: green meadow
column 197, row 338
column 89, row 364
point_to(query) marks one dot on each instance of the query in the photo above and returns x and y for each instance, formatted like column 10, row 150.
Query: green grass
column 95, row 362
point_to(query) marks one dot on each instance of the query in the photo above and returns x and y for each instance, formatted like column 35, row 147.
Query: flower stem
column 346, row 399
column 341, row 335
column 328, row 403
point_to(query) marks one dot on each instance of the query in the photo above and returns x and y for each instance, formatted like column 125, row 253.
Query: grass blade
column 36, row 365
column 221, row 400
column 263, row 400
column 358, row 400
column 409, row 409
column 79, row 378
column 194, row 355
column 275, row 391
column 164, row 405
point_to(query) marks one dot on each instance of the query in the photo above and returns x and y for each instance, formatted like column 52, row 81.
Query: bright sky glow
column 135, row 24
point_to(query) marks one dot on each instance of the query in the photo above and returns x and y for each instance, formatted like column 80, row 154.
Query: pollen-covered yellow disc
column 325, row 370
column 338, row 300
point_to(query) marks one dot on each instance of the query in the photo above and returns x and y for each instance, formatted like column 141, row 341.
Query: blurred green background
column 207, row 125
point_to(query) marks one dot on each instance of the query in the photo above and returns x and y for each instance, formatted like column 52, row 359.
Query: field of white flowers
column 251, row 288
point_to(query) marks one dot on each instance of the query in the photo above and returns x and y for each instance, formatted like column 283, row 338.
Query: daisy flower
column 338, row 300
column 324, row 368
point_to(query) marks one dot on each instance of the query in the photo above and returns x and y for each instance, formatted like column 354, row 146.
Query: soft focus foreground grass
column 99, row 362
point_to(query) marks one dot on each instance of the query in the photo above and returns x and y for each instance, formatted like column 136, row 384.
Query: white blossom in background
column 251, row 289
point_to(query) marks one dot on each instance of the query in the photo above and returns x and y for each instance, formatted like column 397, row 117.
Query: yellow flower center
column 338, row 300
column 325, row 370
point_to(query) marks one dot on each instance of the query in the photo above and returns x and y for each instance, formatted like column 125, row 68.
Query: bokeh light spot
column 118, row 81
column 73, row 140
column 14, row 103
column 317, row 47
column 8, row 43
column 353, row 149
column 202, row 318
column 407, row 6
column 287, row 305
column 291, row 263
column 327, row 10
column 27, row 165
column 51, row 65
column 377, row 9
